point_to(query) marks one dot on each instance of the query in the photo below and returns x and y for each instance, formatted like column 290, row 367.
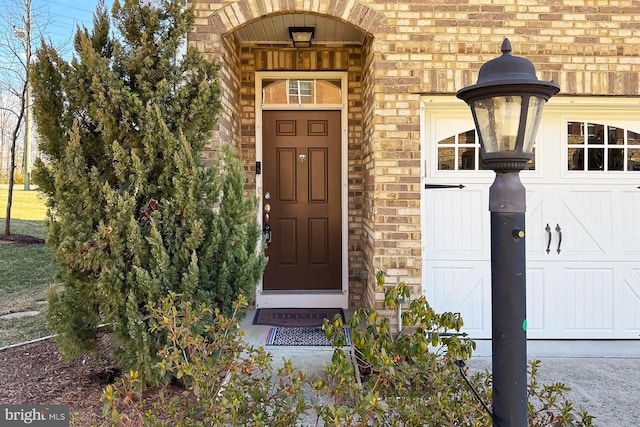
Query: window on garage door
column 598, row 147
column 462, row 152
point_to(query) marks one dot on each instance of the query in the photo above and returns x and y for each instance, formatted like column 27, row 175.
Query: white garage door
column 583, row 235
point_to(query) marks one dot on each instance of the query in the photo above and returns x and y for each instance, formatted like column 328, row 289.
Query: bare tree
column 8, row 106
column 15, row 51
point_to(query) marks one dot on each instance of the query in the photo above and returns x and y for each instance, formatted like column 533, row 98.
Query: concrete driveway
column 604, row 376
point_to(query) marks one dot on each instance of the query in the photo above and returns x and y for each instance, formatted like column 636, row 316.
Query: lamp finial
column 506, row 46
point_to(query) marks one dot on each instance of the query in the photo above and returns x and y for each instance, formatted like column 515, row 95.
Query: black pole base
column 508, row 305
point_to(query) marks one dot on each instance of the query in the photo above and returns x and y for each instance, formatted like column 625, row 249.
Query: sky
column 58, row 17
column 65, row 15
column 56, row 20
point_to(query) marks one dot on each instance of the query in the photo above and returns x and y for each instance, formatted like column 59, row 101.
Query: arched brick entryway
column 235, row 15
column 216, row 35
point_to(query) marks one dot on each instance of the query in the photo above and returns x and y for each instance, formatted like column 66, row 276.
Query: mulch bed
column 20, row 239
column 34, row 374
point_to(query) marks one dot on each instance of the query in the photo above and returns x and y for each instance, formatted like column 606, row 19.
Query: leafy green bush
column 226, row 382
column 416, row 377
column 407, row 379
column 410, row 378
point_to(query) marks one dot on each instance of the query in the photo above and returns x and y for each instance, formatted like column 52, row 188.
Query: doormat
column 295, row 317
column 301, row 337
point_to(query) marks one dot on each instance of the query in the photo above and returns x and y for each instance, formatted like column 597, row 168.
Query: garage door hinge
column 438, row 186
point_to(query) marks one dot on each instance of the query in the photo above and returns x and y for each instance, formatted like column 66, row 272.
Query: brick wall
column 226, row 52
column 368, row 166
column 588, row 47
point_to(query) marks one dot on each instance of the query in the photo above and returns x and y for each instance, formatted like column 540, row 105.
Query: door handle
column 267, row 233
column 267, row 226
column 548, row 230
column 559, row 230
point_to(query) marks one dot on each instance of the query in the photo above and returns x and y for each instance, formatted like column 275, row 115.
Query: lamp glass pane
column 498, row 119
column 302, row 36
column 536, row 105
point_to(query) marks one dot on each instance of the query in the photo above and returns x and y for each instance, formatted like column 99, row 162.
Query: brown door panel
column 301, row 172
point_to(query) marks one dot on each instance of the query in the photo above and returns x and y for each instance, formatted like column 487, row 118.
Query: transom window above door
column 462, row 152
column 301, row 91
column 599, row 147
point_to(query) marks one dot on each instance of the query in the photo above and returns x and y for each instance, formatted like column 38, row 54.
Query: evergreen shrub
column 132, row 212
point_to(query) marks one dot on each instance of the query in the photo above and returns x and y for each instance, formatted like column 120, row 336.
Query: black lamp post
column 507, row 103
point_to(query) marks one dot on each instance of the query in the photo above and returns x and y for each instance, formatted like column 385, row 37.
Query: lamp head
column 506, row 104
column 302, row 36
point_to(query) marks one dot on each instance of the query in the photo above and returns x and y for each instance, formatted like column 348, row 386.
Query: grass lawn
column 26, row 271
column 27, row 205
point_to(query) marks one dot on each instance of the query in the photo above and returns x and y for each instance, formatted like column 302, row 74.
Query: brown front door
column 301, row 199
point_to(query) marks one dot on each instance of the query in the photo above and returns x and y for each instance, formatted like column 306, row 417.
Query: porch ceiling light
column 302, row 36
column 507, row 103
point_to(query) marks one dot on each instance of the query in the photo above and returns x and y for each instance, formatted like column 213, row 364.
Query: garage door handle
column 559, row 230
column 548, row 230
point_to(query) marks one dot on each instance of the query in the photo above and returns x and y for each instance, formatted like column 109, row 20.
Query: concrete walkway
column 309, row 359
column 604, row 376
